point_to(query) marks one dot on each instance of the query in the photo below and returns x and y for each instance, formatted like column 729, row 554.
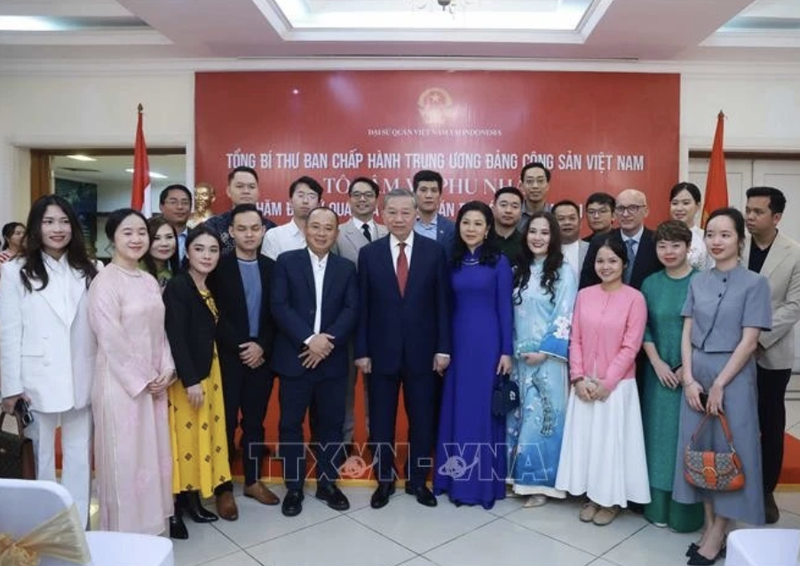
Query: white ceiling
column 112, row 169
column 201, row 30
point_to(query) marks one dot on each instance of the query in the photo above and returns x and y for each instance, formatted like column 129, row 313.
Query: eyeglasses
column 367, row 195
column 630, row 209
column 598, row 211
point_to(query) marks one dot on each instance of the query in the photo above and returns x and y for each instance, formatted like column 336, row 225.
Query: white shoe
column 535, row 501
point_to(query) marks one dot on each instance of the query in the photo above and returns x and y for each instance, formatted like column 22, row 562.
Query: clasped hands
column 693, row 389
column 320, row 347
column 161, row 383
column 590, row 389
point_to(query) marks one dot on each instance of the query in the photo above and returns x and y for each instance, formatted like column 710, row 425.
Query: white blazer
column 47, row 348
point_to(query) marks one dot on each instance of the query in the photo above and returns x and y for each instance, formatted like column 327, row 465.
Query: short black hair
column 162, row 198
column 777, row 200
column 690, row 188
column 509, row 191
column 566, row 202
column 535, row 165
column 371, row 182
column 673, row 231
column 427, row 175
column 242, row 169
column 306, row 180
column 242, row 208
column 602, row 199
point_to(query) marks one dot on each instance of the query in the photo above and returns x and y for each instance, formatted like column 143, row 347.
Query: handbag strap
column 20, row 427
column 725, row 428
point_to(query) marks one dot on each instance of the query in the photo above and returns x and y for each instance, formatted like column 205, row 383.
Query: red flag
column 140, row 197
column 717, row 181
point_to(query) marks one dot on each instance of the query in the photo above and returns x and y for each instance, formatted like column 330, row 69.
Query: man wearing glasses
column 534, row 182
column 599, row 214
column 354, row 234
column 631, row 210
column 175, row 203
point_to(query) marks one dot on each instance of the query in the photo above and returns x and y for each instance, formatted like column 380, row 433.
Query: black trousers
column 246, row 390
column 772, row 385
column 421, row 396
column 324, row 397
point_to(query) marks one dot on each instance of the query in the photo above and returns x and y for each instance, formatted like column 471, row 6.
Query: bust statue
column 204, row 197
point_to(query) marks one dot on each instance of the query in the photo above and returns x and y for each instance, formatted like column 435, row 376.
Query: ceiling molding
column 83, row 37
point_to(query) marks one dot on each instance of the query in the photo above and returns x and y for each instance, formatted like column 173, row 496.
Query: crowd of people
column 620, row 345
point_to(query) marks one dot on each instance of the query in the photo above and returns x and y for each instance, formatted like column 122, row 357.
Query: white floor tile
column 788, row 501
column 652, row 546
column 422, row 528
column 792, row 414
column 559, row 520
column 419, row 561
column 508, row 505
column 341, row 541
column 205, row 543
column 240, row 558
column 259, row 523
column 604, row 562
column 509, row 544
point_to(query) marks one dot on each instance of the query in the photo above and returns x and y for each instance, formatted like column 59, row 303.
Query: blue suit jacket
column 293, row 302
column 403, row 332
column 445, row 234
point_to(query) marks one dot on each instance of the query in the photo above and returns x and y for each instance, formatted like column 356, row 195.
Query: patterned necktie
column 626, row 276
column 402, row 268
column 366, row 230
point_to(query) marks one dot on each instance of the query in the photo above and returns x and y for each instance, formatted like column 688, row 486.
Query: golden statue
column 204, row 197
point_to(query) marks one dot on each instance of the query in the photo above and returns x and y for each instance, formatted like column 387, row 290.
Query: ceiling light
column 79, row 157
column 25, row 23
column 153, row 174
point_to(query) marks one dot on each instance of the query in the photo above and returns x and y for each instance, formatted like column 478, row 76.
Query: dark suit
column 243, row 388
column 401, row 334
column 646, row 262
column 294, row 305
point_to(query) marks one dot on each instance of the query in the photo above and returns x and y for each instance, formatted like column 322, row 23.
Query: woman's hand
column 195, row 394
column 715, row 395
column 160, row 384
column 504, row 365
column 533, row 358
column 584, row 390
column 9, row 403
column 665, row 374
column 692, row 392
column 600, row 392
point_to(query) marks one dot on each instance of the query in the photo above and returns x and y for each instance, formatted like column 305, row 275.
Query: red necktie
column 402, row 268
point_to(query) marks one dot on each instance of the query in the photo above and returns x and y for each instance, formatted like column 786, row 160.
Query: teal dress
column 661, row 405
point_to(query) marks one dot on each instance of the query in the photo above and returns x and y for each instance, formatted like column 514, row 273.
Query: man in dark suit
column 631, row 210
column 403, row 337
column 245, row 333
column 430, row 224
column 314, row 302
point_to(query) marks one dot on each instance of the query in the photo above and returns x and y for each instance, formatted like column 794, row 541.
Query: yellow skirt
column 199, row 440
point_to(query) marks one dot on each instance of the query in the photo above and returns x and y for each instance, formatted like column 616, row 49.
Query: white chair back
column 763, row 547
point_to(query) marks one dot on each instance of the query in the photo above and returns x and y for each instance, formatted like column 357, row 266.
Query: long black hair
column 552, row 261
column 8, row 232
column 154, row 224
column 33, row 267
column 489, row 252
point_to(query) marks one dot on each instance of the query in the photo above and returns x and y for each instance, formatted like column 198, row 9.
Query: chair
column 763, row 547
column 25, row 505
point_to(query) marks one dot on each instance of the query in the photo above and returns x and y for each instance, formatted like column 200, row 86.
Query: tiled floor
column 406, row 533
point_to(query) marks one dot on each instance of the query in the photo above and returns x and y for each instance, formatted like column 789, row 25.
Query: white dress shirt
column 318, row 267
column 373, row 230
column 394, row 246
column 572, row 256
column 283, row 238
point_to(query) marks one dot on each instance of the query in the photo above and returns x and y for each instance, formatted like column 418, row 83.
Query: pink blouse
column 607, row 332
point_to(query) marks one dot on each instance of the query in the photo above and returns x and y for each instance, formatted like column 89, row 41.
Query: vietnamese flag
column 140, row 196
column 717, row 181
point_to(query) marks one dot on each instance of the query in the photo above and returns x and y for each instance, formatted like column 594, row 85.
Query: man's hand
column 440, row 363
column 309, row 359
column 250, row 353
column 321, row 344
column 365, row 365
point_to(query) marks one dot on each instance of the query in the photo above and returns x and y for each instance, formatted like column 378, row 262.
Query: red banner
column 596, row 131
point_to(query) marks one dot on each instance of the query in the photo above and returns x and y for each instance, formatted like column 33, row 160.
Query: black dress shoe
column 423, row 495
column 190, row 502
column 771, row 512
column 381, row 496
column 693, row 547
column 177, row 528
column 333, row 496
column 293, row 503
column 698, row 559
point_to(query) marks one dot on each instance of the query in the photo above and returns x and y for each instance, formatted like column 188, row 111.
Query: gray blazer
column 782, row 269
column 351, row 239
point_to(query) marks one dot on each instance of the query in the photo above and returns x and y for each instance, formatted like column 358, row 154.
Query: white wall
column 92, row 110
column 98, row 109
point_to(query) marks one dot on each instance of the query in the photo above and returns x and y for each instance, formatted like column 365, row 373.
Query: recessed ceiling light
column 25, row 23
column 153, row 174
column 79, row 157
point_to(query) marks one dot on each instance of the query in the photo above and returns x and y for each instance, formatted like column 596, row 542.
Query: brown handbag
column 714, row 471
column 16, row 453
